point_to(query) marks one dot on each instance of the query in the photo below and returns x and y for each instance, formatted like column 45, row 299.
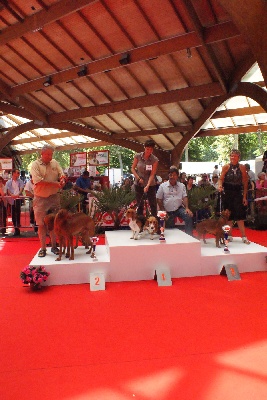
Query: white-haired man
column 48, row 178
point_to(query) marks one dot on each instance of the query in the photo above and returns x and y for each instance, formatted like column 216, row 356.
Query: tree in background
column 63, row 157
column 217, row 148
column 212, row 148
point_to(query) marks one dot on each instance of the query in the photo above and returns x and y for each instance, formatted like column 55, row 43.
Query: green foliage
column 27, row 160
column 202, row 149
column 113, row 201
column 200, row 198
column 211, row 148
column 63, row 157
column 69, row 200
column 217, row 149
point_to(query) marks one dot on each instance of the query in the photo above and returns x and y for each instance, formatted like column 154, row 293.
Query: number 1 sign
column 163, row 277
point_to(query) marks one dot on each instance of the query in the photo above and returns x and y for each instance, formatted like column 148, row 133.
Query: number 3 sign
column 97, row 281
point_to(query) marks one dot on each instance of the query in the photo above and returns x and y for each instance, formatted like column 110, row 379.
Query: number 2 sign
column 97, row 281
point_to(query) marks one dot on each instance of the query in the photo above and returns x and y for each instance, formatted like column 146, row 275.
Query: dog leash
column 220, row 202
column 147, row 206
column 142, row 198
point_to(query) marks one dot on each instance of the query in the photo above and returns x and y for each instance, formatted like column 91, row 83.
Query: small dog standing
column 151, row 226
column 214, row 227
column 136, row 222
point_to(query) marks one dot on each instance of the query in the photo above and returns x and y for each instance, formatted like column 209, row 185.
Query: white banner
column 5, row 163
column 97, row 158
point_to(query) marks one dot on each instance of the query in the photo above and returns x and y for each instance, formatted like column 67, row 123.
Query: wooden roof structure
column 83, row 73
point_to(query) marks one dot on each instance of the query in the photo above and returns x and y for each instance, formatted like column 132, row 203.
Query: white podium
column 125, row 259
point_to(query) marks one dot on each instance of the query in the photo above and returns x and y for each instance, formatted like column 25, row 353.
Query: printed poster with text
column 98, row 158
column 78, row 159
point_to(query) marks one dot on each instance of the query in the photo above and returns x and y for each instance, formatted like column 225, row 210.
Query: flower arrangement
column 34, row 276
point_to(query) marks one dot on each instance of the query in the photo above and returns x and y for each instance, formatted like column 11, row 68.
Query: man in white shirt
column 48, row 178
column 30, row 193
column 172, row 197
column 14, row 189
column 251, row 174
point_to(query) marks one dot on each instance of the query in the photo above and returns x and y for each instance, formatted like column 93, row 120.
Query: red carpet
column 204, row 338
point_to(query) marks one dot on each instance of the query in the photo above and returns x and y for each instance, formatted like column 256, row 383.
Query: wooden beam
column 17, row 130
column 196, row 92
column 33, row 109
column 232, row 130
column 238, row 112
column 67, row 147
column 163, row 156
column 14, row 110
column 152, row 132
column 35, row 139
column 213, row 34
column 38, row 20
column 211, row 58
column 247, row 89
column 250, row 17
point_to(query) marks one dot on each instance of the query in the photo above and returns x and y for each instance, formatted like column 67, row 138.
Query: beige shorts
column 43, row 205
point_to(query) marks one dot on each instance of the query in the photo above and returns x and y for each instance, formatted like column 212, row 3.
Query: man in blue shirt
column 83, row 186
column 172, row 197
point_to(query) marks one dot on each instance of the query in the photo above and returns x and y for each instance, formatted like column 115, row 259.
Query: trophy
column 94, row 239
column 226, row 229
column 162, row 216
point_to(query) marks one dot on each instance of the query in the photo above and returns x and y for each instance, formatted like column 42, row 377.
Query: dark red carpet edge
column 202, row 338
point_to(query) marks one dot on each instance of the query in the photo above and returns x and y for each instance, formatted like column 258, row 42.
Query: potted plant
column 112, row 201
column 34, row 276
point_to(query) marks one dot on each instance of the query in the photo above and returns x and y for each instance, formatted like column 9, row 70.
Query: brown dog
column 68, row 225
column 136, row 222
column 49, row 223
column 151, row 226
column 214, row 227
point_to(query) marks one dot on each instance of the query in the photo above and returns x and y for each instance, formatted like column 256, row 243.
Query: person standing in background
column 264, row 159
column 234, row 182
column 216, row 170
column 14, row 189
column 83, row 186
column 3, row 213
column 30, row 193
column 251, row 175
column 144, row 169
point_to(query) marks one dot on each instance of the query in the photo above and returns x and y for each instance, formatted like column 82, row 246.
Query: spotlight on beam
column 125, row 59
column 48, row 81
column 82, row 71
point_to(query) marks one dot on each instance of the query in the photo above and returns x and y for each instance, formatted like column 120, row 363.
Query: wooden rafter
column 38, row 20
column 252, row 26
column 232, row 130
column 242, row 89
column 151, row 51
column 208, row 50
column 189, row 93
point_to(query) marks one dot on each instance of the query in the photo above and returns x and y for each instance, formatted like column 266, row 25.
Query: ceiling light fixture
column 82, row 71
column 48, row 81
column 125, row 59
